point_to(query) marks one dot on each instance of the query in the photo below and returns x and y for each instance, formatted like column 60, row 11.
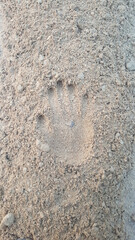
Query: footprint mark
column 71, row 135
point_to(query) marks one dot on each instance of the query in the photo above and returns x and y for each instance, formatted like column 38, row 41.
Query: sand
column 67, row 115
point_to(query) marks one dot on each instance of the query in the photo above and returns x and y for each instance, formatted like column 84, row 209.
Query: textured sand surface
column 67, row 89
column 129, row 201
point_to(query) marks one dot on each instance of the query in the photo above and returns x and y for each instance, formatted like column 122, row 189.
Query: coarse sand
column 67, row 111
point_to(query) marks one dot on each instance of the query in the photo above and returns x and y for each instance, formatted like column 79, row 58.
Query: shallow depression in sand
column 67, row 129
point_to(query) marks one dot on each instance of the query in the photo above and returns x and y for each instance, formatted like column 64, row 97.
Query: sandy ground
column 67, row 115
column 129, row 201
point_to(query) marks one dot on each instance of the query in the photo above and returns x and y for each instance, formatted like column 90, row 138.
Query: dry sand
column 67, row 89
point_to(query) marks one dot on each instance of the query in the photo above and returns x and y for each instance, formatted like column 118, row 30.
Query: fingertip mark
column 50, row 91
column 59, row 84
column 71, row 88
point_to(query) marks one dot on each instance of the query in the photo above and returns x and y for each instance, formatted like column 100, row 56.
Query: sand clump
column 7, row 221
column 67, row 118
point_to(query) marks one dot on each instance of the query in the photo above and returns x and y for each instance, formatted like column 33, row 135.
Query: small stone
column 113, row 147
column 41, row 164
column 24, row 170
column 100, row 55
column 77, row 9
column 20, row 88
column 42, row 146
column 41, row 57
column 117, row 135
column 80, row 24
column 131, row 65
column 95, row 229
column 46, row 62
column 118, row 81
column 8, row 220
column 72, row 124
column 39, row 1
column 103, row 204
column 41, row 214
column 112, row 169
column 23, row 99
column 55, row 74
column 81, row 76
column 12, row 70
column 121, row 142
column 103, row 88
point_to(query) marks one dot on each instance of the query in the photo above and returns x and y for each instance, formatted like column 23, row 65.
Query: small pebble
column 103, row 88
column 113, row 147
column 46, row 62
column 121, row 142
column 42, row 146
column 24, row 170
column 81, row 76
column 41, row 57
column 77, row 9
column 80, row 24
column 72, row 124
column 20, row 88
column 131, row 65
column 41, row 214
column 23, row 99
column 103, row 204
column 112, row 169
column 12, row 70
column 55, row 74
column 41, row 164
column 118, row 81
column 101, row 55
column 8, row 220
column 117, row 135
column 95, row 229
